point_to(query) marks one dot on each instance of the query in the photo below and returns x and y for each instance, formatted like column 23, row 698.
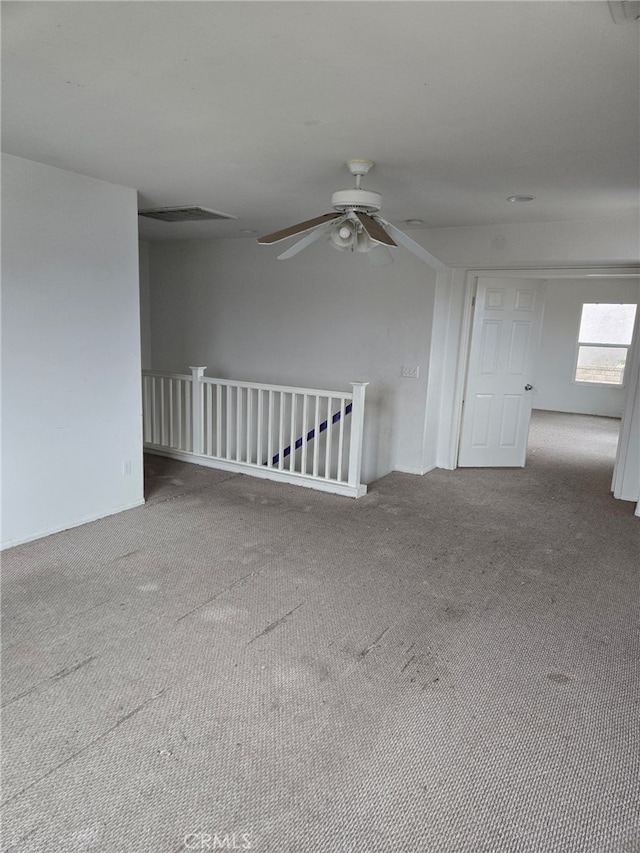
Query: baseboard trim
column 13, row 543
column 419, row 471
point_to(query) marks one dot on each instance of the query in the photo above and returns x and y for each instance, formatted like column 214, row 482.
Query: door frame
column 543, row 274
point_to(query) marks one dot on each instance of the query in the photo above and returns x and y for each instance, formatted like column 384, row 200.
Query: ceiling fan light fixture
column 342, row 237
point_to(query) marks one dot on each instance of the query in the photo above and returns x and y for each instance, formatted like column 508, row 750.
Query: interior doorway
column 617, row 422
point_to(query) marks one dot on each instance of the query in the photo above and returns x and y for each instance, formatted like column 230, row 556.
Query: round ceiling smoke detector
column 516, row 198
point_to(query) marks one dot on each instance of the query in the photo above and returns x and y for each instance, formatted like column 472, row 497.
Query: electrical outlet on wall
column 409, row 371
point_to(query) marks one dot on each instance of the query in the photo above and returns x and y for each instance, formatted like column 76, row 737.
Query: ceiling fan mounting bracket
column 359, row 166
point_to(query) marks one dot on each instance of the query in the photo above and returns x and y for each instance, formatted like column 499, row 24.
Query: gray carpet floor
column 447, row 664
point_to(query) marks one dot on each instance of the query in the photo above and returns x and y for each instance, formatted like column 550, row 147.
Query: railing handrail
column 167, row 375
column 259, row 386
column 286, row 389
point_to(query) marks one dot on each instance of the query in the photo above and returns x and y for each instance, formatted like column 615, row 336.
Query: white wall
column 555, row 365
column 71, row 350
column 321, row 319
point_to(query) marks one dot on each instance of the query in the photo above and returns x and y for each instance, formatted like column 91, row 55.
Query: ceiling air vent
column 183, row 214
column 625, row 11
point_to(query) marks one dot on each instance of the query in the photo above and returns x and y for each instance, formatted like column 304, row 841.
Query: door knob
column 528, row 387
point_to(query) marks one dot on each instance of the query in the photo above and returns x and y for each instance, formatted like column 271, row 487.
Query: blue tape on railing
column 310, row 435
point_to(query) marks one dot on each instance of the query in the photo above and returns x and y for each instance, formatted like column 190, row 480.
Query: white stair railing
column 305, row 436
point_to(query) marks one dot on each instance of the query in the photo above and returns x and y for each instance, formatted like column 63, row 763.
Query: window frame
column 584, row 383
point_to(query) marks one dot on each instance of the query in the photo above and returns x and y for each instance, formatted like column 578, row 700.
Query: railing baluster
column 218, row 420
column 341, row 438
column 238, row 424
column 270, row 430
column 154, row 417
column 209, row 419
column 316, row 437
column 145, row 409
column 281, row 434
column 305, row 418
column 259, row 426
column 292, row 434
column 228, row 396
column 248, row 457
column 170, row 413
column 163, row 414
column 181, row 391
column 187, row 417
column 327, row 454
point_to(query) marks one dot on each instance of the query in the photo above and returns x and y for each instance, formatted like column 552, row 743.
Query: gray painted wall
column 555, row 365
column 70, row 350
column 321, row 319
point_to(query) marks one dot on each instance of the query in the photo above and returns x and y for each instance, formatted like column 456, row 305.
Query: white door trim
column 632, row 382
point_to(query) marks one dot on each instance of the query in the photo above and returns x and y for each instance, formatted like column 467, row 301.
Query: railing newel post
column 357, row 432
column 197, row 409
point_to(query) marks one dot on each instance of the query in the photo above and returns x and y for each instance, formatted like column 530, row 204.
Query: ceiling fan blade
column 414, row 247
column 298, row 229
column 311, row 237
column 374, row 229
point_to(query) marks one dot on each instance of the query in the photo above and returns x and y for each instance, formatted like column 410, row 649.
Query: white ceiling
column 251, row 108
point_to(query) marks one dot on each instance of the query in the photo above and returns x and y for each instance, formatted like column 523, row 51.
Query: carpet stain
column 366, row 651
column 558, row 677
column 453, row 614
column 273, row 625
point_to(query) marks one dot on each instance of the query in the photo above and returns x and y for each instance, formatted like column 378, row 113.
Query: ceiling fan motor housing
column 364, row 201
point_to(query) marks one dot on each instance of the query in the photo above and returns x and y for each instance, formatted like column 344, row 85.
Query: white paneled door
column 499, row 392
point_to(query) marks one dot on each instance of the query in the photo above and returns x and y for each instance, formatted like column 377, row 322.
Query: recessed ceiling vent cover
column 183, row 214
column 625, row 11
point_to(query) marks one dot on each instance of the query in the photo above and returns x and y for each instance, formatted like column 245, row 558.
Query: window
column 603, row 342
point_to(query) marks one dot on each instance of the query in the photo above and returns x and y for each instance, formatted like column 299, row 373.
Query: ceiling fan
column 356, row 225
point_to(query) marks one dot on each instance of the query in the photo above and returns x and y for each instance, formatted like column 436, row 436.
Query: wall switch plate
column 126, row 468
column 409, row 371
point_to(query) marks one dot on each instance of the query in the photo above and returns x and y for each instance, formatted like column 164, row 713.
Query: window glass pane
column 603, row 323
column 601, row 364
